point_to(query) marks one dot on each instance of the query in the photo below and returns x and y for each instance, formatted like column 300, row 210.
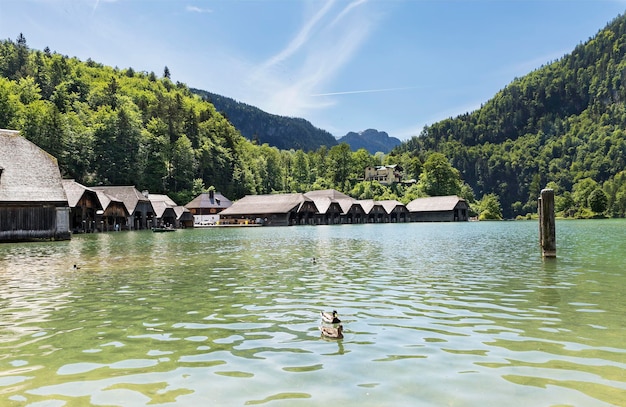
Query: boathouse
column 167, row 213
column 206, row 208
column 395, row 211
column 113, row 216
column 374, row 211
column 84, row 204
column 33, row 203
column 270, row 210
column 328, row 204
column 438, row 209
column 141, row 213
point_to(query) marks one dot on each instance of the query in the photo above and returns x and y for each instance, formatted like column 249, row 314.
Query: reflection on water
column 434, row 314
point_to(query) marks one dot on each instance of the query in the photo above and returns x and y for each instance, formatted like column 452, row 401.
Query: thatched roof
column 265, row 204
column 127, row 194
column 28, row 173
column 208, row 200
column 434, row 204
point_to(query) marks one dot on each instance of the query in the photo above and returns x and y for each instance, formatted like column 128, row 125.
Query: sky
column 344, row 65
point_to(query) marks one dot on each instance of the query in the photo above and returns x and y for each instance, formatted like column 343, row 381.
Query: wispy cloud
column 97, row 3
column 196, row 9
column 324, row 45
column 352, row 92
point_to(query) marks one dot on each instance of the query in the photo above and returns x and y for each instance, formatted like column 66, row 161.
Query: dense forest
column 561, row 126
column 282, row 132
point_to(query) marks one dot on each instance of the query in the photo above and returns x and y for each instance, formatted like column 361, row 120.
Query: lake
column 434, row 314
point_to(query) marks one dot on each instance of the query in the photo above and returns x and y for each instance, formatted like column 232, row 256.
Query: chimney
column 211, row 194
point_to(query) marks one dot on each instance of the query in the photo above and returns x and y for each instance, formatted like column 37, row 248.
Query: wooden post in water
column 547, row 230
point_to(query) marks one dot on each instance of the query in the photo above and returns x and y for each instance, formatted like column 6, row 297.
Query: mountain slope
column 372, row 140
column 278, row 131
column 562, row 123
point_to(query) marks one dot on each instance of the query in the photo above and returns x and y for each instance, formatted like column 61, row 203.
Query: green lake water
column 434, row 314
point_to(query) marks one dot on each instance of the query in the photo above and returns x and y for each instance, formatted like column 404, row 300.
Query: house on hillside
column 270, row 210
column 141, row 213
column 84, row 205
column 385, row 174
column 33, row 203
column 206, row 208
column 438, row 209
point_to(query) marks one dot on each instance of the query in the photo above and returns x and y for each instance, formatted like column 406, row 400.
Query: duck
column 332, row 331
column 330, row 317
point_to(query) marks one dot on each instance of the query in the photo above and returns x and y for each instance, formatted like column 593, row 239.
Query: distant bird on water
column 330, row 317
column 332, row 331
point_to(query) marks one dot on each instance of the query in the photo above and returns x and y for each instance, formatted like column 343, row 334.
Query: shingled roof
column 274, row 203
column 390, row 205
column 208, row 200
column 128, row 194
column 75, row 192
column 434, row 203
column 28, row 174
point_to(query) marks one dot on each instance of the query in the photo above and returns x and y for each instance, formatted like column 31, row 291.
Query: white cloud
column 323, row 46
column 196, row 9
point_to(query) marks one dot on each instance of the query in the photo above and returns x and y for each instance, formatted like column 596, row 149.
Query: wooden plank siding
column 29, row 223
column 33, row 203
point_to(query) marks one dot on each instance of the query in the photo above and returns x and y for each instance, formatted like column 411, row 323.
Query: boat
column 163, row 229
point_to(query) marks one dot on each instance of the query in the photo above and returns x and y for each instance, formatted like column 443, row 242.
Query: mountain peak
column 371, row 139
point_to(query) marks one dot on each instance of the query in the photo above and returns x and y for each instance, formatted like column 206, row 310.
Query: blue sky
column 391, row 65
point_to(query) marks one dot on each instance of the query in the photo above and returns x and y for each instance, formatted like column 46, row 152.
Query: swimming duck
column 332, row 332
column 330, row 317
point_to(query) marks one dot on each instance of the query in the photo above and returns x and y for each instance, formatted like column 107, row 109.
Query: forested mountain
column 372, row 140
column 282, row 132
column 562, row 126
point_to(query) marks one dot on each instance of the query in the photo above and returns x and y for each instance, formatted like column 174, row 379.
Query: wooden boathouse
column 438, row 209
column 141, row 213
column 270, row 210
column 84, row 205
column 33, row 203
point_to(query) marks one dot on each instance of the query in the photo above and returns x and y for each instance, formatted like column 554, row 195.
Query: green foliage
column 598, row 201
column 439, row 178
column 489, row 208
